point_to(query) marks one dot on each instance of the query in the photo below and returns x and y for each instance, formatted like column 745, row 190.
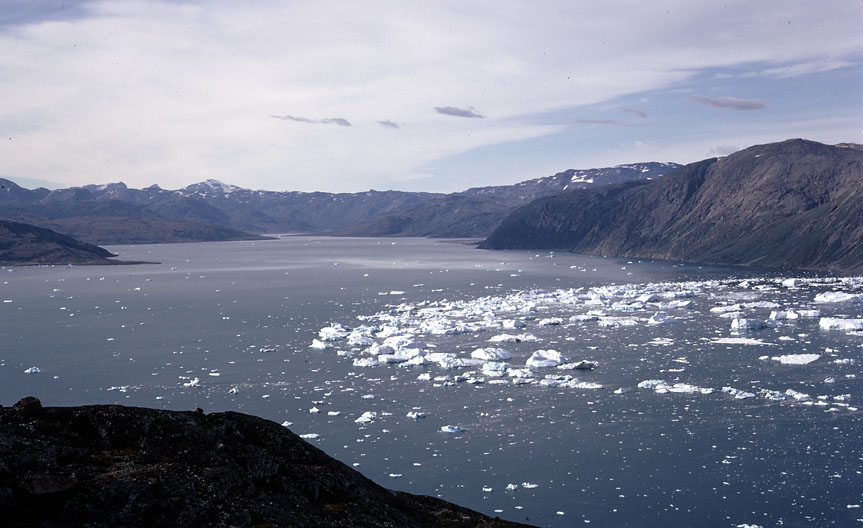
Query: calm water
column 227, row 326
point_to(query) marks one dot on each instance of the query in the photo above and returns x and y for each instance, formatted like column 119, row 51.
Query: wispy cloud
column 732, row 103
column 611, row 122
column 458, row 112
column 637, row 111
column 326, row 121
column 389, row 124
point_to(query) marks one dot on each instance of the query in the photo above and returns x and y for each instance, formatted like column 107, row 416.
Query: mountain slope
column 27, row 244
column 793, row 204
column 477, row 211
column 109, row 465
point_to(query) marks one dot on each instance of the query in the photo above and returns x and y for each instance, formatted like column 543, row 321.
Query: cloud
column 326, row 121
column 637, row 111
column 612, row 122
column 728, row 102
column 389, row 124
column 209, row 75
column 458, row 112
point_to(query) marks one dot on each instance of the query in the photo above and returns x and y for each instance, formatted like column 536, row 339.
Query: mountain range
column 793, row 204
column 211, row 210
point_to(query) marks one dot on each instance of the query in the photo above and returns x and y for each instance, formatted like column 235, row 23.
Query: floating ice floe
column 454, row 429
column 796, row 359
column 660, row 318
column 320, row 345
column 491, row 354
column 545, row 358
column 366, row 417
column 739, row 324
column 194, row 382
column 416, row 415
column 838, row 297
column 739, row 341
column 783, row 315
column 737, row 393
column 579, row 365
column 661, row 387
column 32, row 370
column 508, row 338
column 834, row 323
column 310, row 436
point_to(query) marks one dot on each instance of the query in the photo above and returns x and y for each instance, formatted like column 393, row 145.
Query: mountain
column 477, row 211
column 211, row 210
column 109, row 465
column 114, row 214
column 24, row 244
column 793, row 204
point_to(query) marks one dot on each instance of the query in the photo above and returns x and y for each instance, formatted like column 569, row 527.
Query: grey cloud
column 728, row 102
column 389, row 124
column 612, row 122
column 458, row 112
column 326, row 121
column 637, row 111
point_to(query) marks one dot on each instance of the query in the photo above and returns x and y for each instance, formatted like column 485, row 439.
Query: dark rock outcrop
column 794, row 204
column 24, row 244
column 108, row 465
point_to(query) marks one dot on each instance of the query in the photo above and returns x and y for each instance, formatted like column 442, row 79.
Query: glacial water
column 680, row 423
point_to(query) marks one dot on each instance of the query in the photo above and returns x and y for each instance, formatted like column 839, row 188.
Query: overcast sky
column 432, row 95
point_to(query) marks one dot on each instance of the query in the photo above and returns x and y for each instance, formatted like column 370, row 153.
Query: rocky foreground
column 109, row 465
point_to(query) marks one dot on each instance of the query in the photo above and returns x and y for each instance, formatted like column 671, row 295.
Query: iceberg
column 366, row 417
column 739, row 324
column 491, row 354
column 545, row 358
column 32, row 370
column 796, row 359
column 579, row 365
column 834, row 323
column 453, row 429
column 660, row 318
column 839, row 297
column 783, row 315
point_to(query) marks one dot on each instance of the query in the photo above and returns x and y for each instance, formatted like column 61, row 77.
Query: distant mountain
column 114, row 214
column 794, row 204
column 477, row 211
column 24, row 244
column 211, row 210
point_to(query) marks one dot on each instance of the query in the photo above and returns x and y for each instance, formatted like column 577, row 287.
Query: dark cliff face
column 794, row 204
column 106, row 465
column 27, row 244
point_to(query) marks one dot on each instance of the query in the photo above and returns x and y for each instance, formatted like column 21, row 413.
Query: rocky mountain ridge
column 793, row 204
column 24, row 244
column 212, row 210
column 110, row 465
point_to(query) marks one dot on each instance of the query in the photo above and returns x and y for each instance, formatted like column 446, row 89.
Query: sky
column 435, row 96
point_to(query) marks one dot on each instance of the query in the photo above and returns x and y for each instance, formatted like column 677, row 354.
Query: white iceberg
column 366, row 417
column 453, row 429
column 834, row 323
column 491, row 354
column 545, row 358
column 796, row 359
column 839, row 297
column 660, row 318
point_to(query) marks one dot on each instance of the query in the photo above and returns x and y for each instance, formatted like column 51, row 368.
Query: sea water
column 682, row 420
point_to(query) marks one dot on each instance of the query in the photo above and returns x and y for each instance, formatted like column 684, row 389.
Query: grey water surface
column 228, row 326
